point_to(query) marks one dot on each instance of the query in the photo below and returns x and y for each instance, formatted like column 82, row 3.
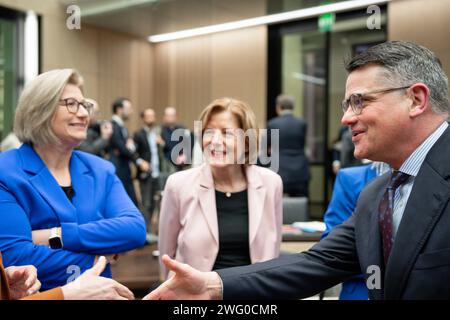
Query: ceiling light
column 269, row 19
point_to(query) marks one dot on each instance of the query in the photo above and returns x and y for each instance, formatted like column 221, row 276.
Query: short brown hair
column 245, row 117
column 285, row 102
column 405, row 63
column 37, row 105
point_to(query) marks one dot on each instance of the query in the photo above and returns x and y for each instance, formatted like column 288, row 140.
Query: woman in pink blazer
column 226, row 212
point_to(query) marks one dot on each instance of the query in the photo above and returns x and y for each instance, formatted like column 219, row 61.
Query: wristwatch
column 55, row 239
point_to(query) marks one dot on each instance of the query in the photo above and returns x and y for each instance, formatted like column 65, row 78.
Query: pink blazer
column 188, row 228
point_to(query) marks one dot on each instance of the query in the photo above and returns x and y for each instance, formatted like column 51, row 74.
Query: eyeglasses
column 356, row 100
column 73, row 105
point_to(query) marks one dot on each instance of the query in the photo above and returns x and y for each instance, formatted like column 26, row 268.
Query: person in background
column 170, row 126
column 122, row 151
column 231, row 212
column 293, row 162
column 149, row 145
column 59, row 208
column 98, row 135
column 347, row 159
column 22, row 283
column 347, row 187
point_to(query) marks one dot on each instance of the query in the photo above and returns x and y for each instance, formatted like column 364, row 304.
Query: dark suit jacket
column 143, row 148
column 294, row 166
column 120, row 155
column 94, row 142
column 419, row 265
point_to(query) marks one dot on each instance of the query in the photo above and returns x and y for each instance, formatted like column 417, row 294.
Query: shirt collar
column 286, row 112
column 380, row 167
column 412, row 165
column 118, row 120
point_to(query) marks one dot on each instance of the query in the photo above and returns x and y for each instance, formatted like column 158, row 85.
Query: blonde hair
column 245, row 118
column 38, row 103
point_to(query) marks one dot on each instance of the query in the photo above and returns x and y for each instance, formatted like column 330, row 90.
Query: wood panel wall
column 423, row 21
column 113, row 64
column 190, row 73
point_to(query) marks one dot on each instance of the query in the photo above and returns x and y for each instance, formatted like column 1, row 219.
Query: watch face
column 55, row 243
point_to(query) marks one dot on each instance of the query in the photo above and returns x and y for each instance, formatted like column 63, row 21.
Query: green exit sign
column 326, row 21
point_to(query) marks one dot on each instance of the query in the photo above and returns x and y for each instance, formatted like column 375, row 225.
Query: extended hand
column 22, row 281
column 187, row 284
column 90, row 286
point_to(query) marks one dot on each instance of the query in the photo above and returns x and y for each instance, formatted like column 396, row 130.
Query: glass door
column 8, row 74
column 304, row 74
column 307, row 63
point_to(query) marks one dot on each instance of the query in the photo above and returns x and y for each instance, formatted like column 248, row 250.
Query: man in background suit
column 293, row 163
column 122, row 150
column 396, row 104
column 173, row 134
column 98, row 133
column 148, row 143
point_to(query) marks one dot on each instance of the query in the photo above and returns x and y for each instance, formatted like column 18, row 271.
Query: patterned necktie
column 386, row 210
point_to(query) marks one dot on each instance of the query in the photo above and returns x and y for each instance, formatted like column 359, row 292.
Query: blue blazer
column 101, row 219
column 347, row 187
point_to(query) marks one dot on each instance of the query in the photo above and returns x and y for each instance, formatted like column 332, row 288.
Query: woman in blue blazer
column 60, row 208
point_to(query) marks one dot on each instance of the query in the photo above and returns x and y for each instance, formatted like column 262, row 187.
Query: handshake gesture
column 187, row 284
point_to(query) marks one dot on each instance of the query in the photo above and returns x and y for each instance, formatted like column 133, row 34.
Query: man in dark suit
column 122, row 150
column 293, row 163
column 98, row 133
column 148, row 144
column 173, row 134
column 396, row 104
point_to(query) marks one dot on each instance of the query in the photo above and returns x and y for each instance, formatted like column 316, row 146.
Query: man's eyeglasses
column 356, row 100
column 73, row 105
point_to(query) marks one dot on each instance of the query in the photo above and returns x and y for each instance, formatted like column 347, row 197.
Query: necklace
column 228, row 194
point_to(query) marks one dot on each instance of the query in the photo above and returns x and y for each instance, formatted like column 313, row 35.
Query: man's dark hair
column 405, row 63
column 285, row 102
column 118, row 104
column 142, row 114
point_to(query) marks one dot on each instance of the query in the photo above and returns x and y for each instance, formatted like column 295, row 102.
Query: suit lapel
column 81, row 180
column 207, row 199
column 256, row 196
column 426, row 202
column 43, row 181
column 373, row 251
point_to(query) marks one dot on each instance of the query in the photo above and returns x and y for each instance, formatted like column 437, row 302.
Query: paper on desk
column 311, row 226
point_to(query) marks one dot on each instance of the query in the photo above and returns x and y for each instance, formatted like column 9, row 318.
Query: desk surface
column 302, row 236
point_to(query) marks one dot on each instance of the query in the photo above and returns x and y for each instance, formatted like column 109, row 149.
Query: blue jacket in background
column 347, row 187
column 101, row 219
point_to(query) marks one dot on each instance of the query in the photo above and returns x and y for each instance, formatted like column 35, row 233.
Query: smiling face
column 381, row 130
column 70, row 128
column 221, row 145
